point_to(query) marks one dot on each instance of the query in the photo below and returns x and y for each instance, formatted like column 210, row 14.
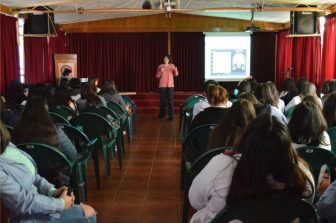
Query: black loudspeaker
column 40, row 24
column 303, row 22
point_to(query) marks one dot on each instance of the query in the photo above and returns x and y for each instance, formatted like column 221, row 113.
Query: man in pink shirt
column 166, row 73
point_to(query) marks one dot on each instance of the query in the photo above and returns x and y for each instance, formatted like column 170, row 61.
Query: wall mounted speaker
column 303, row 22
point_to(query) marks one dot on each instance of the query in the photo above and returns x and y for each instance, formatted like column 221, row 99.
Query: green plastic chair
column 123, row 116
column 183, row 106
column 273, row 209
column 58, row 119
column 187, row 116
column 96, row 126
column 113, row 118
column 318, row 159
column 85, row 148
column 45, row 157
column 332, row 135
column 134, row 113
column 63, row 111
column 289, row 112
column 193, row 170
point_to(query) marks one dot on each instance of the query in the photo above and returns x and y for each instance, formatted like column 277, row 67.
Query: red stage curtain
column 187, row 50
column 36, row 60
column 328, row 69
column 263, row 56
column 39, row 57
column 9, row 53
column 284, row 57
column 56, row 45
column 130, row 59
column 307, row 58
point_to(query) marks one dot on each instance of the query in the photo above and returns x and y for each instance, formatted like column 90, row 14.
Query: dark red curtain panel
column 284, row 57
column 328, row 68
column 36, row 60
column 130, row 59
column 56, row 45
column 39, row 57
column 263, row 56
column 187, row 50
column 9, row 53
column 307, row 58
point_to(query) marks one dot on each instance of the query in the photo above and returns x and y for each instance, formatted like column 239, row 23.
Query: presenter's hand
column 58, row 192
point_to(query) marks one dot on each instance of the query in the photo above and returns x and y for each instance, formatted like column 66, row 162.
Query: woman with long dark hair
column 264, row 164
column 90, row 97
column 329, row 110
column 36, row 126
column 232, row 127
column 308, row 126
column 110, row 93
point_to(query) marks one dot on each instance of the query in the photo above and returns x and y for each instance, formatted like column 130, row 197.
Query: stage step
column 149, row 102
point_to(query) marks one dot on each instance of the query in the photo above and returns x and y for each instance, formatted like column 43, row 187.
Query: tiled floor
column 148, row 188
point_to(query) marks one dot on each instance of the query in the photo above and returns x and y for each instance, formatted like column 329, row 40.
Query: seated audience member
column 267, row 103
column 8, row 116
column 264, row 165
column 326, row 205
column 325, row 90
column 90, row 97
column 200, row 106
column 75, row 88
column 232, row 127
column 289, row 90
column 36, row 126
column 308, row 127
column 65, row 77
column 110, row 93
column 280, row 104
column 329, row 110
column 244, row 87
column 62, row 97
column 305, row 90
column 28, row 197
column 15, row 93
column 250, row 97
column 312, row 99
column 218, row 98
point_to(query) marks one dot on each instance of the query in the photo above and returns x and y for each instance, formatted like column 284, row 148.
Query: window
column 21, row 50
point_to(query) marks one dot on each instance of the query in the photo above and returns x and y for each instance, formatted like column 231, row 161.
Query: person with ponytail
column 218, row 98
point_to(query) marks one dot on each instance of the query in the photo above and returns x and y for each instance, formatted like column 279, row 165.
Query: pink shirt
column 166, row 75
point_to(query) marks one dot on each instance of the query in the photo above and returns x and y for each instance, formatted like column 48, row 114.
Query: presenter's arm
column 159, row 71
column 175, row 71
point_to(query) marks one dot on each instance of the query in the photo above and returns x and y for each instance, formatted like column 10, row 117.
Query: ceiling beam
column 23, row 11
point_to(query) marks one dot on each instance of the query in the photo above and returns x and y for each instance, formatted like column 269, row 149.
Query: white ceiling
column 61, row 18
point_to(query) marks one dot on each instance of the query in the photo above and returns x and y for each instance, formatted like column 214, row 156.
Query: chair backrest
column 332, row 135
column 195, row 143
column 128, row 100
column 49, row 161
column 56, row 118
column 78, row 138
column 103, row 111
column 289, row 112
column 94, row 125
column 116, row 108
column 275, row 210
column 317, row 158
column 192, row 98
column 63, row 111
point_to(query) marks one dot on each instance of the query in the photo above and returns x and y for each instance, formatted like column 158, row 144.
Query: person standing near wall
column 166, row 73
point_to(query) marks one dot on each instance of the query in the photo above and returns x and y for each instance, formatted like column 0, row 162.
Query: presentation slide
column 227, row 56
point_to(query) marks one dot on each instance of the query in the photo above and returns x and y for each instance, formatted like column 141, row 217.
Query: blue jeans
column 166, row 93
column 73, row 215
